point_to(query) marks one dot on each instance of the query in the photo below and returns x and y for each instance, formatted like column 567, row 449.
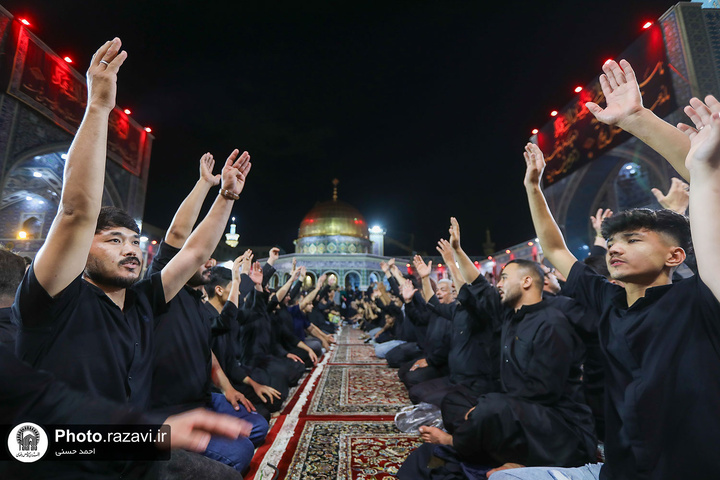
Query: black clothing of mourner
column 87, row 341
column 662, row 367
column 183, row 336
column 474, row 350
column 29, row 395
column 585, row 321
column 8, row 329
column 257, row 344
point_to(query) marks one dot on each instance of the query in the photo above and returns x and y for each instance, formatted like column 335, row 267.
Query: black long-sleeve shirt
column 474, row 350
column 256, row 339
column 662, row 376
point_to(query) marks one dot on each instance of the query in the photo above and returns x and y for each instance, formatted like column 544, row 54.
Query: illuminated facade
column 334, row 239
column 41, row 106
column 592, row 165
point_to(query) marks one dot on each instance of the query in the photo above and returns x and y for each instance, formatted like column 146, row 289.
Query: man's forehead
column 118, row 232
column 629, row 233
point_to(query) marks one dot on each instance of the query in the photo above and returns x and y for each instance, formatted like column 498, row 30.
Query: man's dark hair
column 218, row 276
column 532, row 268
column 598, row 264
column 667, row 222
column 12, row 269
column 115, row 217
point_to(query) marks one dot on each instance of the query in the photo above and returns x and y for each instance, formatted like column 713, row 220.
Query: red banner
column 49, row 85
column 575, row 138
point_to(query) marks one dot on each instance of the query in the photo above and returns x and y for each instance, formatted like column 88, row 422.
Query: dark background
column 420, row 108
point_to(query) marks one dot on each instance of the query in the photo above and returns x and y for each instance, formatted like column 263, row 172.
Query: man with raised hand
column 660, row 339
column 82, row 313
column 185, row 365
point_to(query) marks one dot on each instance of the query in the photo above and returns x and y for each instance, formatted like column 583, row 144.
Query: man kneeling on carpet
column 539, row 417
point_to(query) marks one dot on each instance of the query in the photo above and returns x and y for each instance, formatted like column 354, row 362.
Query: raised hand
column 534, row 165
column 423, row 270
column 256, row 274
column 677, row 198
column 273, row 255
column 207, row 163
column 235, row 172
column 391, row 263
column 102, row 75
column 384, row 267
column 598, row 219
column 322, row 279
column 408, row 291
column 454, row 234
column 705, row 137
column 237, row 264
column 622, row 94
column 247, row 262
column 446, row 251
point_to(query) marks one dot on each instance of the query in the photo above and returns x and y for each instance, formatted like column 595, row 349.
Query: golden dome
column 333, row 218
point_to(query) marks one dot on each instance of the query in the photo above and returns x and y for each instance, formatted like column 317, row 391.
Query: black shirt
column 181, row 377
column 8, row 329
column 86, row 340
column 662, row 377
column 475, row 344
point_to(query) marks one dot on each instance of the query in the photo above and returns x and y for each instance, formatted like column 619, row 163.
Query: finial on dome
column 335, row 183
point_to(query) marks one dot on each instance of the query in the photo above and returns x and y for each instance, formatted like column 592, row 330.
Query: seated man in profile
column 539, row 415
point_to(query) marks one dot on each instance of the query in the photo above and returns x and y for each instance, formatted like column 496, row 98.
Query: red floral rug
column 349, row 450
column 339, row 425
column 358, row 390
column 356, row 354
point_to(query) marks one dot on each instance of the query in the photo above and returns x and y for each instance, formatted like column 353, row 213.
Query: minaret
column 335, row 183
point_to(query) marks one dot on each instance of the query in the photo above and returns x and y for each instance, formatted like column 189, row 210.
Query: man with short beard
column 82, row 313
column 185, row 366
column 539, row 415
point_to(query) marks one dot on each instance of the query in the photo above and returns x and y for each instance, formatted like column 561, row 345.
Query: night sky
column 421, row 109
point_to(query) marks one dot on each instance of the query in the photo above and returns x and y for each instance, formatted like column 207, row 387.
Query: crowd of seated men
column 531, row 373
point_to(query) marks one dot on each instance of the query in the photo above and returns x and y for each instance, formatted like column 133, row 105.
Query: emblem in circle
column 27, row 442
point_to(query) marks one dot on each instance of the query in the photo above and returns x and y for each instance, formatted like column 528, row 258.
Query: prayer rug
column 356, row 354
column 349, row 450
column 349, row 335
column 358, row 390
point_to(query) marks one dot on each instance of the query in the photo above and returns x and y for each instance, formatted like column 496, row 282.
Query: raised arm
column 677, row 198
column 186, row 216
column 62, row 257
column 625, row 109
column 283, row 291
column 551, row 239
column 703, row 161
column 424, row 272
column 311, row 296
column 204, row 239
column 467, row 267
column 596, row 221
column 448, row 256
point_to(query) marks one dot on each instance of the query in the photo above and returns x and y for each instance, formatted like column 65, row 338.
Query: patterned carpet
column 339, row 423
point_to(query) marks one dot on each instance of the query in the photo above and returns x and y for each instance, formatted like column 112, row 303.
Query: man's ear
column 527, row 282
column 676, row 256
column 219, row 291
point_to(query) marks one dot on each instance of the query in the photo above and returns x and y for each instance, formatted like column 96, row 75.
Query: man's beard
column 99, row 278
column 199, row 278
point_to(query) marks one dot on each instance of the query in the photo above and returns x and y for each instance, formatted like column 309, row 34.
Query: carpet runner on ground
column 339, row 423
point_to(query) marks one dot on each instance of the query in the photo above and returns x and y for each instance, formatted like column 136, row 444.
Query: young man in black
column 660, row 339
